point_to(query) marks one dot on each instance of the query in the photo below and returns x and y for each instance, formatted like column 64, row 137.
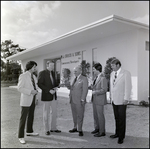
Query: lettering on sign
column 70, row 60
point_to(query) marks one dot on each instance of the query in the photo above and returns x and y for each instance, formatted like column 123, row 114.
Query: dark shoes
column 73, row 130
column 95, row 131
column 80, row 133
column 120, row 141
column 58, row 131
column 114, row 136
column 47, row 133
column 100, row 135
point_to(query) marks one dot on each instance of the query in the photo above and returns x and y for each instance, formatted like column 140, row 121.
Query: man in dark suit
column 47, row 83
column 120, row 91
column 99, row 89
column 78, row 93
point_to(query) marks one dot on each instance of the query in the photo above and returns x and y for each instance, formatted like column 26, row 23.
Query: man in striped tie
column 120, row 91
column 27, row 101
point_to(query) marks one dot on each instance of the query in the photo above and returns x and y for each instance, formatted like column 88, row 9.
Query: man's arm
column 103, row 87
column 128, row 86
column 21, row 85
column 85, row 89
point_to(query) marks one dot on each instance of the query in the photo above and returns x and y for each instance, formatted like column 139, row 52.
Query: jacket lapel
column 98, row 80
column 119, row 76
column 78, row 80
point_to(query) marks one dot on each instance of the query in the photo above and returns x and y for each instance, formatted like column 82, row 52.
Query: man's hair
column 98, row 67
column 116, row 61
column 49, row 61
column 30, row 64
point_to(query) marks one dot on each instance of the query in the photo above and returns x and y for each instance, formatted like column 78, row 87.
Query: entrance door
column 57, row 69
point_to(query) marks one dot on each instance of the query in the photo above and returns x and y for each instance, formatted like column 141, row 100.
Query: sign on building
column 70, row 61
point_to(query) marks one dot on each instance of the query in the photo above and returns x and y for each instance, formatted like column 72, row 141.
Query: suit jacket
column 100, row 87
column 79, row 90
column 25, row 86
column 45, row 84
column 121, row 90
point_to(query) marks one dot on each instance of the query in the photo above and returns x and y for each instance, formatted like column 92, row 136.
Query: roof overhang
column 106, row 27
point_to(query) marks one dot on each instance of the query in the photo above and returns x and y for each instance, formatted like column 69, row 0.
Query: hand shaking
column 34, row 92
column 52, row 91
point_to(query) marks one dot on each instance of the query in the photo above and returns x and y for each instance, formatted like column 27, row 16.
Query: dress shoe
column 32, row 134
column 22, row 141
column 58, row 131
column 114, row 136
column 73, row 130
column 47, row 133
column 100, row 135
column 120, row 141
column 80, row 133
column 95, row 131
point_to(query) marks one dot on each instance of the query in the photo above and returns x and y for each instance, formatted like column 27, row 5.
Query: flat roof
column 99, row 29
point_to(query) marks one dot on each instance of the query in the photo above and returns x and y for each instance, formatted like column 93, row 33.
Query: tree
column 85, row 68
column 108, row 69
column 8, row 49
column 11, row 67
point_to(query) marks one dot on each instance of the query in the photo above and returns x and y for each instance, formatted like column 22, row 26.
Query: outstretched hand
column 52, row 91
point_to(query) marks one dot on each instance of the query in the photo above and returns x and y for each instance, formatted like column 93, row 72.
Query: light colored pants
column 50, row 114
column 78, row 115
column 99, row 118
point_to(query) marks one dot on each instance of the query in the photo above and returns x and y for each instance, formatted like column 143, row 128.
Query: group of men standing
column 120, row 90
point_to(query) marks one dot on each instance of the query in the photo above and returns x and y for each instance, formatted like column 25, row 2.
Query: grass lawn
column 8, row 83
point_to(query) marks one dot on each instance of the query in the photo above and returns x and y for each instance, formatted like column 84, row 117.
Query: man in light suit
column 47, row 83
column 120, row 91
column 99, row 89
column 27, row 101
column 78, row 93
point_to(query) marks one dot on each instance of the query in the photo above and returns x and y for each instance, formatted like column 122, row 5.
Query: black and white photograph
column 75, row 74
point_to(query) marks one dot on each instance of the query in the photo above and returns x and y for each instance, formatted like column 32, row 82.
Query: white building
column 113, row 36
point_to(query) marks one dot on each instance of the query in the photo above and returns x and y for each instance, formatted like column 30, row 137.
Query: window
column 83, row 55
column 147, row 45
column 94, row 55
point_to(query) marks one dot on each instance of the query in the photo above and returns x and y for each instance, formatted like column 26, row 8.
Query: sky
column 32, row 23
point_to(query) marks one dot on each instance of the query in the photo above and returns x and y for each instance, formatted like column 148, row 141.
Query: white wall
column 125, row 46
column 143, row 66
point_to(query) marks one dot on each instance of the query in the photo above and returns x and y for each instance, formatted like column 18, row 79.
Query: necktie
column 95, row 80
column 32, row 79
column 74, row 80
column 51, row 78
column 115, row 78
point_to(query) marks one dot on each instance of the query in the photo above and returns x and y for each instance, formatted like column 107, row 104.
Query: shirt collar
column 98, row 75
column 78, row 76
column 29, row 72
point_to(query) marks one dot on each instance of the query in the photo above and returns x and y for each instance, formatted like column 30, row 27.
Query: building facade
column 113, row 36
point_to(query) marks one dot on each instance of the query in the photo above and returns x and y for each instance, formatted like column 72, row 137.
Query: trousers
column 50, row 115
column 27, row 113
column 78, row 115
column 120, row 119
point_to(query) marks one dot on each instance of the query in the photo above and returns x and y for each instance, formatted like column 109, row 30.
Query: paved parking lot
column 137, row 134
